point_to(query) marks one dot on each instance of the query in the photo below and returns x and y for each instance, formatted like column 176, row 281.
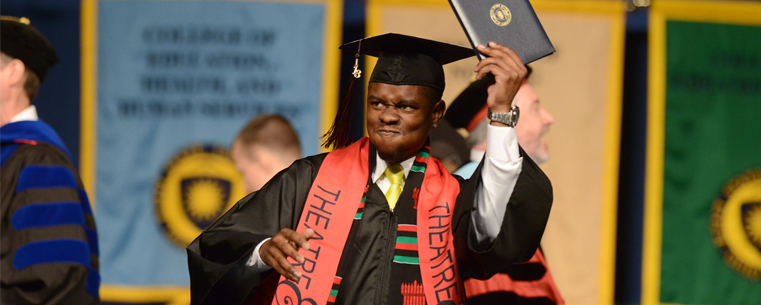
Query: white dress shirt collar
column 29, row 114
column 381, row 165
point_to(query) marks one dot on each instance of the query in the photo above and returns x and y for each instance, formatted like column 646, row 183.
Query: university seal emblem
column 197, row 186
column 500, row 14
column 736, row 223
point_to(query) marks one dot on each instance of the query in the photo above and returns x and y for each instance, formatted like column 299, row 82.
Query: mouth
column 388, row 132
column 545, row 130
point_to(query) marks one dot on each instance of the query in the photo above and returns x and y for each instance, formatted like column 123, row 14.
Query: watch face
column 516, row 114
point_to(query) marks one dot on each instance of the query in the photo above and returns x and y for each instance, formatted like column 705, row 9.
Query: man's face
column 399, row 119
column 533, row 123
column 254, row 175
column 5, row 79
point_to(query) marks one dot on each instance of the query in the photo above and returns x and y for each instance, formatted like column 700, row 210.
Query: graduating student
column 379, row 221
column 49, row 244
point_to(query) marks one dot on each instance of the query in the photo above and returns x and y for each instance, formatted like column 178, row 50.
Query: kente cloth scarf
column 334, row 202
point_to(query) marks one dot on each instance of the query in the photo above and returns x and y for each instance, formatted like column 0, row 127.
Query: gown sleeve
column 522, row 227
column 49, row 242
column 217, row 258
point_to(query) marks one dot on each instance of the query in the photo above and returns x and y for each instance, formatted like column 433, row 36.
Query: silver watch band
column 508, row 118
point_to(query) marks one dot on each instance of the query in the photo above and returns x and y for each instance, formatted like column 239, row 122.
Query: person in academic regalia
column 49, row 243
column 529, row 283
column 379, row 221
column 448, row 146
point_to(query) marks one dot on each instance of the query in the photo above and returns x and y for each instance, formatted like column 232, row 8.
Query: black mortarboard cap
column 402, row 60
column 20, row 40
column 408, row 60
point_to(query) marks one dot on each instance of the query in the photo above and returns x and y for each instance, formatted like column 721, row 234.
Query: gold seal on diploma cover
column 500, row 14
column 196, row 187
column 736, row 223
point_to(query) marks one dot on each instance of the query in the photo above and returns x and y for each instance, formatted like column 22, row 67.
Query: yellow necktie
column 395, row 175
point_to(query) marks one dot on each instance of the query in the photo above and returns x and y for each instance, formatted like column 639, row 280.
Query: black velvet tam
column 23, row 42
column 408, row 60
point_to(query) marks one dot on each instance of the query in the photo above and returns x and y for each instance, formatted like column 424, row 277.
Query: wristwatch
column 509, row 118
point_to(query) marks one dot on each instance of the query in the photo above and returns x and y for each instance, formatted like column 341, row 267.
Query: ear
column 14, row 71
column 264, row 157
column 437, row 113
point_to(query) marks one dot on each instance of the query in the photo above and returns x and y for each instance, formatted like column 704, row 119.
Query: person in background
column 530, row 282
column 49, row 243
column 449, row 147
column 264, row 147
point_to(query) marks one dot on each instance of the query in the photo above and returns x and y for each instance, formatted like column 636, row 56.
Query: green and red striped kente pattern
column 334, row 290
column 406, row 249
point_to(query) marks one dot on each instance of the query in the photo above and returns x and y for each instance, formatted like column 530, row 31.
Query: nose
column 389, row 117
column 548, row 118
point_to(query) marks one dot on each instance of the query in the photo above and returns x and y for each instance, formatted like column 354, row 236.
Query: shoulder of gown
column 40, row 179
column 522, row 227
column 217, row 257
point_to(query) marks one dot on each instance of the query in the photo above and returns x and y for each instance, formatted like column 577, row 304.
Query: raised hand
column 509, row 73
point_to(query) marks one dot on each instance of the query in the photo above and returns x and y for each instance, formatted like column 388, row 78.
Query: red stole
column 544, row 287
column 330, row 208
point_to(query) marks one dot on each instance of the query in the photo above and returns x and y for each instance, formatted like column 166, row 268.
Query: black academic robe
column 49, row 244
column 217, row 257
column 527, row 272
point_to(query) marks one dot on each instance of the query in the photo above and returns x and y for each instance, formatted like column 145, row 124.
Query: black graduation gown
column 49, row 243
column 217, row 257
column 526, row 272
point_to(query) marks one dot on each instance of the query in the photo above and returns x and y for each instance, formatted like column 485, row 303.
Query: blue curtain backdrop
column 174, row 76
